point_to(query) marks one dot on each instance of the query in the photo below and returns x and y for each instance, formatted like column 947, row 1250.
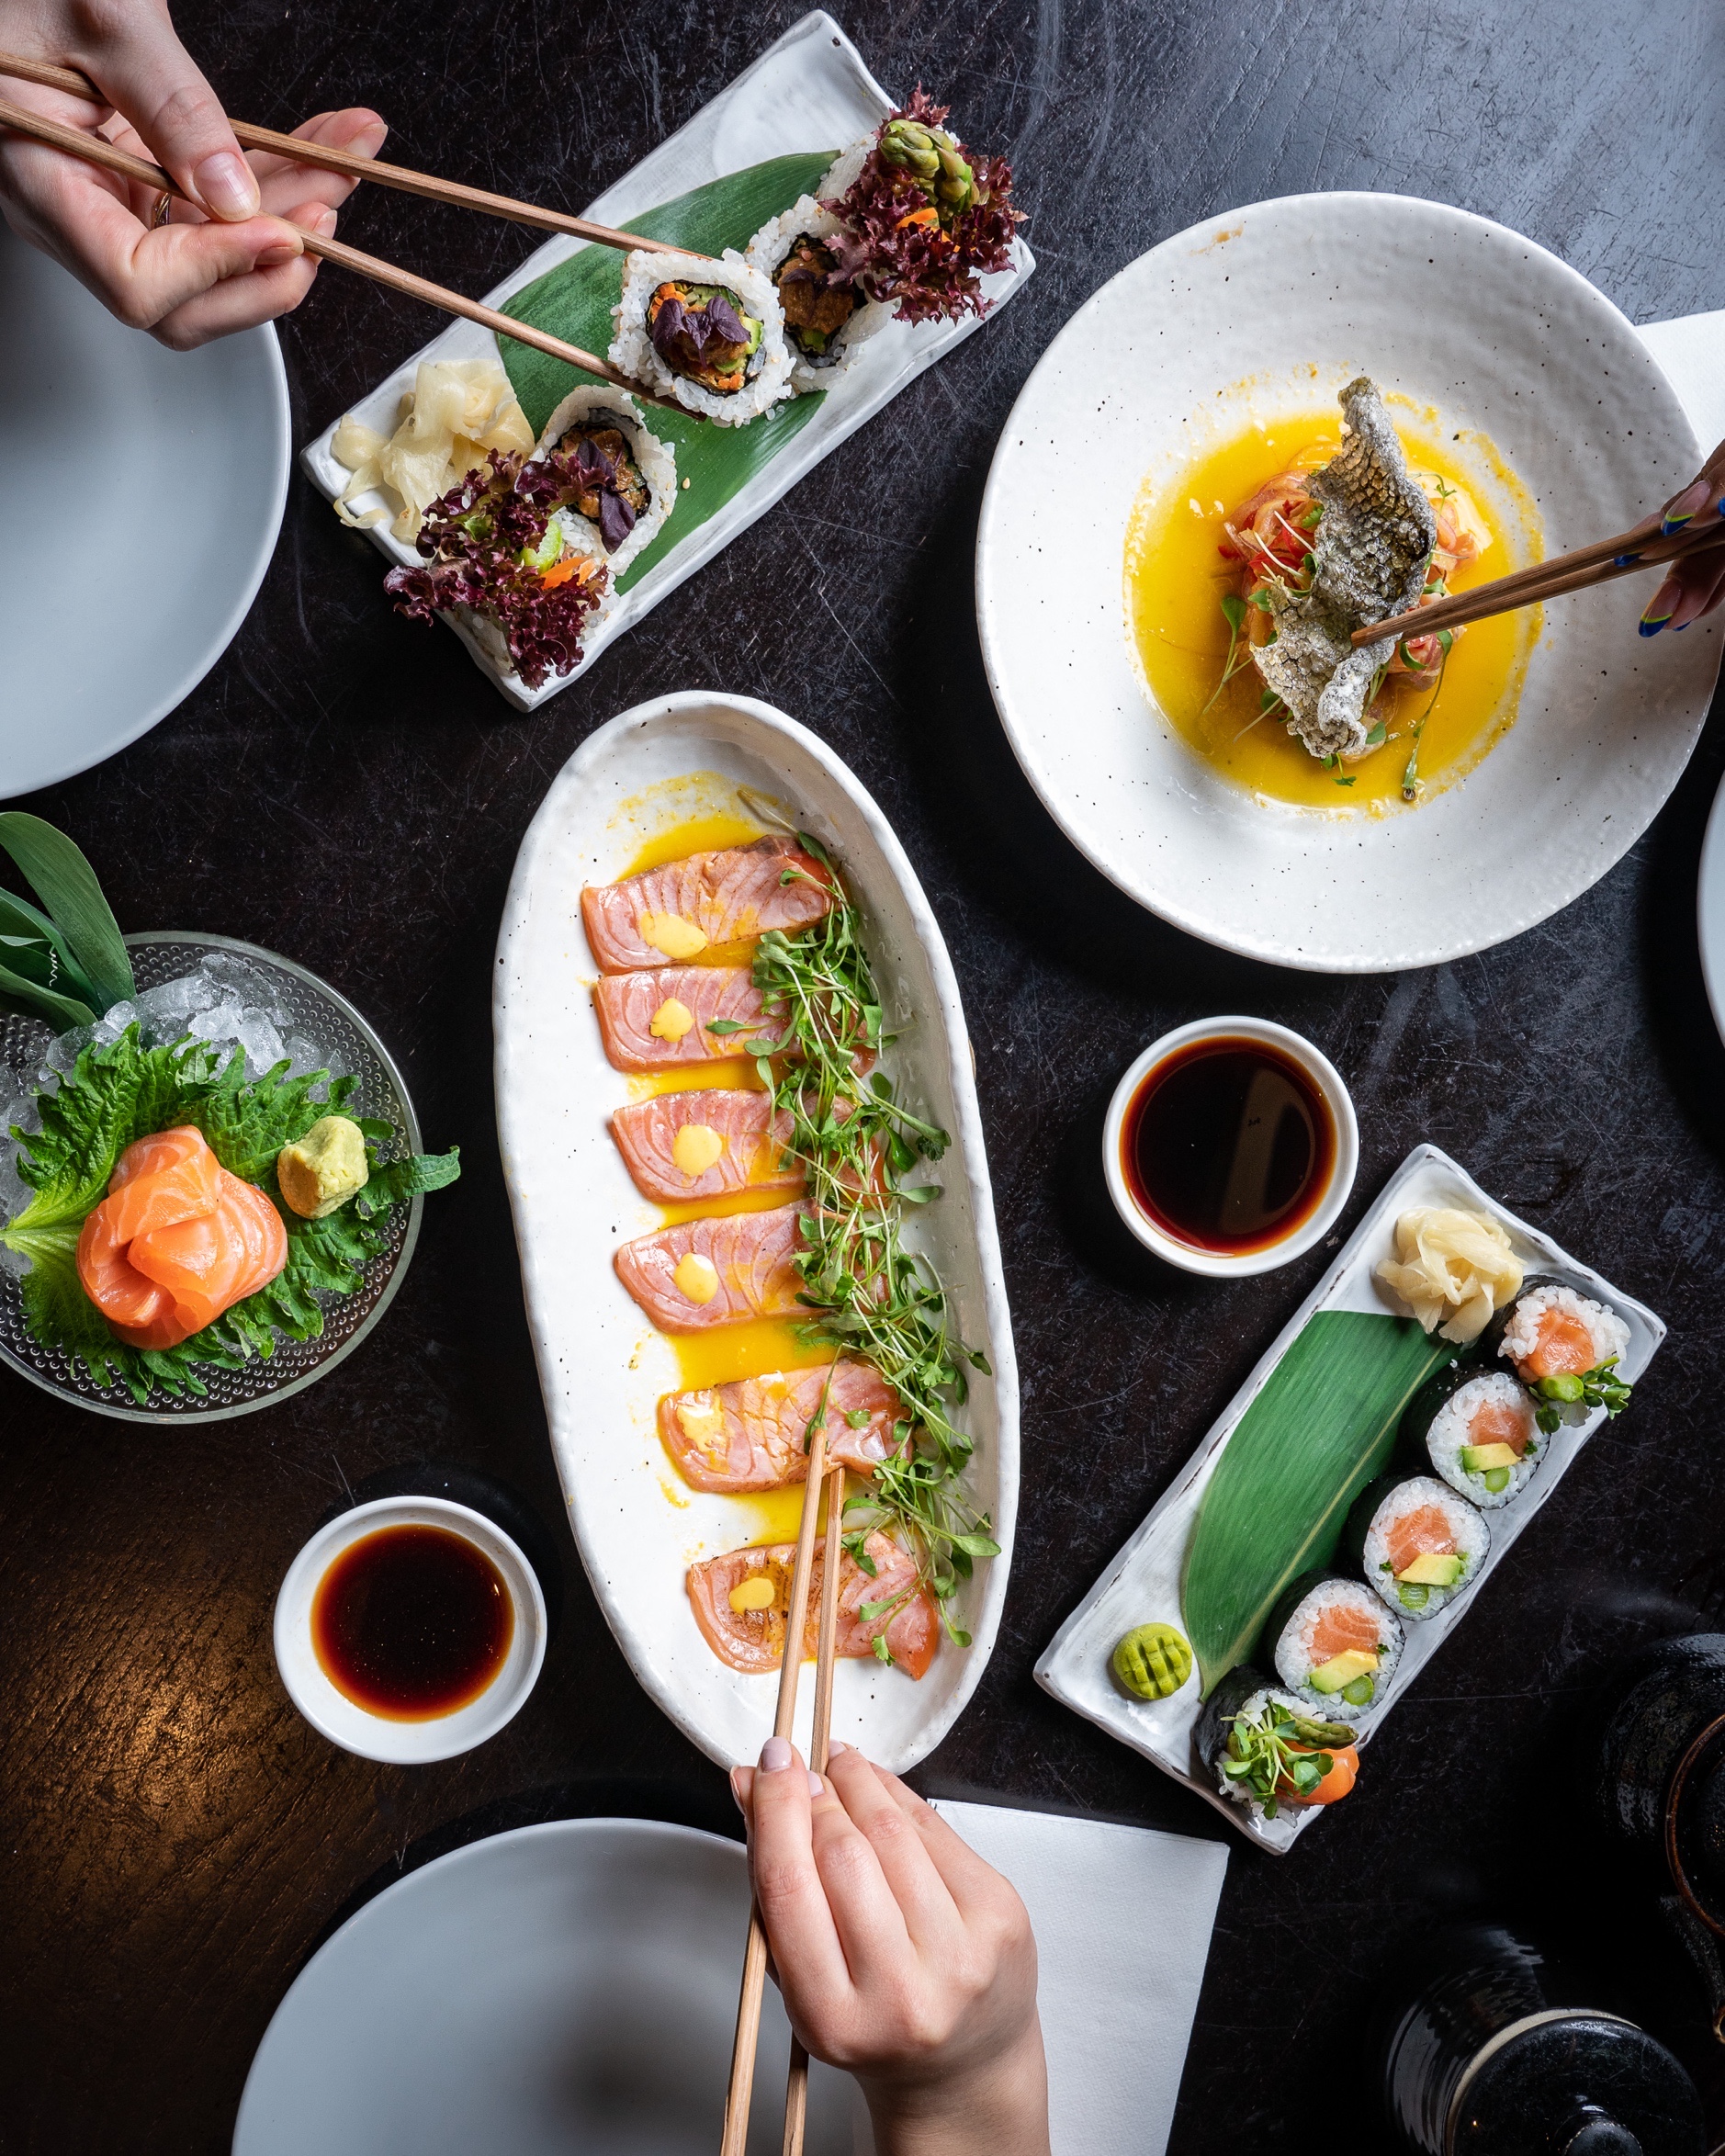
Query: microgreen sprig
column 1273, row 1754
column 1598, row 1387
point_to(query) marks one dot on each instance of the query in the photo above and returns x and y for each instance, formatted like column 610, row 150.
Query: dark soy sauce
column 1228, row 1144
column 412, row 1622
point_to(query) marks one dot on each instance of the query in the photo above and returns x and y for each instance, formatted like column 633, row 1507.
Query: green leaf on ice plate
column 1322, row 1426
column 574, row 301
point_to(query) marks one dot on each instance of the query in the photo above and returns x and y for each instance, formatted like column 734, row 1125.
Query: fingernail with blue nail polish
column 1623, row 561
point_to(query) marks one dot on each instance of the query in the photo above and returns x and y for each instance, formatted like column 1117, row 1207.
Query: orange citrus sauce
column 1176, row 579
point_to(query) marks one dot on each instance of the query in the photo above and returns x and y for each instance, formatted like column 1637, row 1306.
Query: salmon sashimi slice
column 708, row 1272
column 753, row 1639
column 171, row 1177
column 1423, row 1532
column 140, row 1310
column 750, row 1435
column 726, row 897
column 683, row 1003
column 1497, row 1422
column 706, row 1144
column 211, row 1263
column 1565, row 1342
column 1342, row 1627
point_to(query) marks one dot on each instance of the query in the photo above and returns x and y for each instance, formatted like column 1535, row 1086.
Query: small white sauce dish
column 1311, row 1228
column 373, row 1736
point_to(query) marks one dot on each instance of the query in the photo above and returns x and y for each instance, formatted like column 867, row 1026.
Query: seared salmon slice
column 704, row 1144
column 753, row 1639
column 750, row 1434
column 708, row 1272
column 652, row 1021
column 728, row 897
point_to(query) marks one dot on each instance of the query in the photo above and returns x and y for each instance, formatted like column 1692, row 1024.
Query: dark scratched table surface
column 345, row 788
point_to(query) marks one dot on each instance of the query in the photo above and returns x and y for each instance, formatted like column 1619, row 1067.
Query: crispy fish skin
column 628, row 1002
column 751, row 1255
column 753, row 1640
column 730, row 894
column 749, row 1434
column 753, row 1138
column 1369, row 559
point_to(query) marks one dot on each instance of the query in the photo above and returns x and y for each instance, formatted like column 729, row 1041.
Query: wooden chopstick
column 97, row 150
column 742, row 2082
column 1602, row 563
column 819, row 1748
column 399, row 176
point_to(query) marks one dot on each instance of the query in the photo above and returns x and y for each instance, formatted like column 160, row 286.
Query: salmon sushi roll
column 1564, row 1348
column 1334, row 1645
column 1419, row 1544
column 1266, row 1750
column 1475, row 1429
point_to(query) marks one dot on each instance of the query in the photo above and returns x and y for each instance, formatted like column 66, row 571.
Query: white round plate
column 566, row 1987
column 1711, row 911
column 160, row 481
column 1454, row 312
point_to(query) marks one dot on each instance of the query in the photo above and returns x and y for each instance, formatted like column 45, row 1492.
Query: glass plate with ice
column 242, row 1001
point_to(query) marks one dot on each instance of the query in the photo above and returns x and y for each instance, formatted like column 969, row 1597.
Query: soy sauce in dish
column 1228, row 1146
column 412, row 1622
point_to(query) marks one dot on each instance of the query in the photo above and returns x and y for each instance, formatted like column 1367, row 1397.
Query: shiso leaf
column 1320, row 1427
column 66, row 884
column 574, row 303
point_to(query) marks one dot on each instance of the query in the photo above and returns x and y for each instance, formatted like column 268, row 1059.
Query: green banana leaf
column 574, row 301
column 1323, row 1426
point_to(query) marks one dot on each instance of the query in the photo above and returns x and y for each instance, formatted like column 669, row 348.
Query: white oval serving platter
column 1268, row 310
column 601, row 1368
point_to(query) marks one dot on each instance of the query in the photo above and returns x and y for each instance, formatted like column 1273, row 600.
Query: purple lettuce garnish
column 478, row 541
column 597, row 473
column 681, row 334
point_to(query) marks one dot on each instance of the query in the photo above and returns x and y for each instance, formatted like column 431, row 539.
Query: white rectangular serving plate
column 602, row 1366
column 808, row 92
column 1144, row 1582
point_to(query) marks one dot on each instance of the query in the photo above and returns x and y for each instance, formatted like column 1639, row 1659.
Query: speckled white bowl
column 1457, row 314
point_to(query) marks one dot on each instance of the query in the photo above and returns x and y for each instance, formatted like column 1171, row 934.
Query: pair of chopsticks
column 1580, row 570
column 742, row 2082
column 97, row 150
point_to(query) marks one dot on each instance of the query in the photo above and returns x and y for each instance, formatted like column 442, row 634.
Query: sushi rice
column 634, row 352
column 656, row 461
column 1451, row 1435
column 1521, row 1338
column 1303, row 1655
column 1413, row 1504
column 767, row 251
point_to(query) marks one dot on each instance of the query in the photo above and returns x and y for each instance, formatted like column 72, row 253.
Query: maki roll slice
column 1266, row 1750
column 1564, row 1348
column 1475, row 1429
column 1419, row 1544
column 1334, row 1645
column 827, row 317
column 709, row 334
column 620, row 479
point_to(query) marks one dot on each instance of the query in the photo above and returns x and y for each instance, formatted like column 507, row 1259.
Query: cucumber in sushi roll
column 1476, row 1430
column 1419, row 1544
column 1266, row 1750
column 1334, row 1644
column 710, row 335
column 1564, row 1348
column 622, row 478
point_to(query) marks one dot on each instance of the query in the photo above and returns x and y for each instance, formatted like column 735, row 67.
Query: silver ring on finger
column 163, row 209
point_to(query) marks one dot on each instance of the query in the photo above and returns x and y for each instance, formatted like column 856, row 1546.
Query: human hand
column 902, row 1957
column 1691, row 588
column 198, row 276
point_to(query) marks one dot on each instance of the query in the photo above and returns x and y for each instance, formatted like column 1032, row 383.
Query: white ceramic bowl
column 372, row 1736
column 1222, row 1264
column 1267, row 311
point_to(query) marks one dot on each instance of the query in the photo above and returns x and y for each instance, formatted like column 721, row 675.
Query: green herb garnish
column 123, row 1092
column 1277, row 1751
column 1597, row 1387
column 67, row 964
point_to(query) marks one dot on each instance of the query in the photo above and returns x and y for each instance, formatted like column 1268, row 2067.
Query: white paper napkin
column 1688, row 349
column 1122, row 1917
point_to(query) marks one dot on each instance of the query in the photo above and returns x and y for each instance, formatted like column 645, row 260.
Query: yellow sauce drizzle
column 672, row 1020
column 680, row 940
column 696, row 1147
column 696, row 1276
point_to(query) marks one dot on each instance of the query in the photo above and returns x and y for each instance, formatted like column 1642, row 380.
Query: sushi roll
column 1418, row 1543
column 827, row 318
column 1476, row 1430
column 1266, row 1751
column 710, row 335
column 623, row 478
column 1564, row 1348
column 1333, row 1644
